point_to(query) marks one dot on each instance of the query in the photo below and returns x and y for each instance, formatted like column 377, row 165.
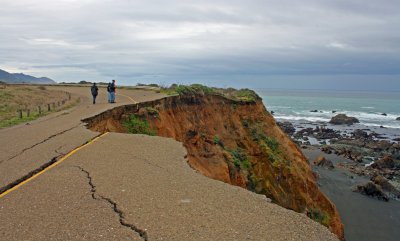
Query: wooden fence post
column 48, row 107
column 28, row 112
column 40, row 110
column 20, row 114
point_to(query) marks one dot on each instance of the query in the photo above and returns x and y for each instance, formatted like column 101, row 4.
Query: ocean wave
column 362, row 116
column 303, row 118
column 389, row 125
column 367, row 107
column 366, row 119
column 371, row 116
column 279, row 107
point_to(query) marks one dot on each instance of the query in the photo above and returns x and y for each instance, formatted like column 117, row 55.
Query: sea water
column 372, row 109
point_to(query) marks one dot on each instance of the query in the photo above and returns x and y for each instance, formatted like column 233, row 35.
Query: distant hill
column 23, row 78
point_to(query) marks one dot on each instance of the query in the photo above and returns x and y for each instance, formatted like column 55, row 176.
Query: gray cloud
column 214, row 41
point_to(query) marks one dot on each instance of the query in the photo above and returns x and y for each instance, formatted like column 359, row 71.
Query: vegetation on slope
column 135, row 125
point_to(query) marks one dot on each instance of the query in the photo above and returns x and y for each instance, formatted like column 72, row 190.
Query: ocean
column 373, row 109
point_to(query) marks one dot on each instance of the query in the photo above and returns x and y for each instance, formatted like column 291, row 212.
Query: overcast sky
column 276, row 44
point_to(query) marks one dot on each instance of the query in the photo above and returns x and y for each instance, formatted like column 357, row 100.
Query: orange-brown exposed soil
column 235, row 142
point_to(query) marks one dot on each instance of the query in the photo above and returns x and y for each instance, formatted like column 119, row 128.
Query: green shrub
column 236, row 162
column 272, row 143
column 151, row 111
column 246, row 163
column 217, row 141
column 319, row 216
column 255, row 135
column 252, row 183
column 240, row 158
column 246, row 95
column 168, row 91
column 245, row 123
column 135, row 125
column 193, row 89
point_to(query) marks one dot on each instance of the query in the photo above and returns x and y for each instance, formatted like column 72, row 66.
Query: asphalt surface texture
column 125, row 187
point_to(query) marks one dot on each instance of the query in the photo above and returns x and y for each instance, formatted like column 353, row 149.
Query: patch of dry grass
column 17, row 97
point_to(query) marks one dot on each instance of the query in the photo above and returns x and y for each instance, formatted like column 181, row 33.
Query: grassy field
column 16, row 97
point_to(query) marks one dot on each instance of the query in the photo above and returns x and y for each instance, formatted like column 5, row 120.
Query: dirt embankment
column 235, row 142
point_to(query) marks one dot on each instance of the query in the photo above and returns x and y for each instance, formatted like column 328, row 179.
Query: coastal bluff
column 234, row 141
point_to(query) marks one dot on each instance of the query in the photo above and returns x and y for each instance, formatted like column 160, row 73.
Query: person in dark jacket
column 112, row 92
column 109, row 92
column 95, row 92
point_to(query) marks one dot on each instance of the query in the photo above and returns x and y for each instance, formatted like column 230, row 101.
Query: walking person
column 95, row 92
column 109, row 92
column 112, row 92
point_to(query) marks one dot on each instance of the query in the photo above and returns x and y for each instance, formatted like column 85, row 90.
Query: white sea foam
column 394, row 126
column 369, row 164
column 279, row 107
column 367, row 119
column 304, row 118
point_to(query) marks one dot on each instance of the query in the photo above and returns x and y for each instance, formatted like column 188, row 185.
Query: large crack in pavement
column 41, row 142
column 142, row 233
column 41, row 168
column 29, row 175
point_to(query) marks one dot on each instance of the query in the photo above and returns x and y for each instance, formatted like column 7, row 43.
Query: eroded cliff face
column 235, row 142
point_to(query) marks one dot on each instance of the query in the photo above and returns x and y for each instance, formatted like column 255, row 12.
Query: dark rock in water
column 384, row 114
column 386, row 186
column 325, row 133
column 326, row 149
column 360, row 134
column 287, row 127
column 385, row 162
column 314, row 111
column 334, row 111
column 342, row 119
column 396, row 139
column 372, row 190
column 382, row 127
column 398, row 118
column 321, row 161
column 380, row 145
column 272, row 112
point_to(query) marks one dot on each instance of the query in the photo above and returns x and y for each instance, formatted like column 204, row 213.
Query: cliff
column 237, row 142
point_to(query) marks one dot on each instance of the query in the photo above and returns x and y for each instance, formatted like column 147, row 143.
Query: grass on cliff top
column 245, row 95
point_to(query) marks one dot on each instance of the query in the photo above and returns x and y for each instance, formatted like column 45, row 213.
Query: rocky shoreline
column 367, row 218
column 368, row 153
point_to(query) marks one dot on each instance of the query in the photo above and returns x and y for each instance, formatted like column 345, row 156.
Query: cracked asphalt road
column 24, row 148
column 128, row 187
